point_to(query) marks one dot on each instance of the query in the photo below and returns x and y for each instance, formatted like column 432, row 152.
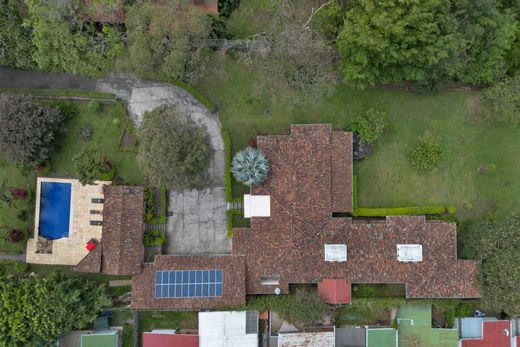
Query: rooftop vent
column 269, row 280
column 96, row 222
column 96, row 200
column 336, row 252
column 409, row 253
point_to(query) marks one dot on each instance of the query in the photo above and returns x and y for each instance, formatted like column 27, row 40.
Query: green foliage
column 229, row 217
column 354, row 192
column 94, row 105
column 158, row 217
column 66, row 107
column 426, row 153
column 167, row 37
column 329, row 20
column 173, row 149
column 502, row 101
column 301, row 306
column 227, row 149
column 226, row 7
column 64, row 41
column 369, row 125
column 85, row 132
column 496, row 242
column 250, row 166
column 21, row 267
column 426, row 42
column 35, row 311
column 149, row 211
column 28, row 130
column 399, row 211
column 154, row 238
column 16, row 46
column 87, row 164
column 451, row 209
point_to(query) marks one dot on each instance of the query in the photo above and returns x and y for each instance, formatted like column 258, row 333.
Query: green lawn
column 386, row 179
column 124, row 319
column 107, row 126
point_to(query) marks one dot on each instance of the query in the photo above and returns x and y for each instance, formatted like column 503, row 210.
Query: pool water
column 54, row 210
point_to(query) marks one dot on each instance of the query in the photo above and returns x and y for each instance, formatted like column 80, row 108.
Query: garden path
column 198, row 221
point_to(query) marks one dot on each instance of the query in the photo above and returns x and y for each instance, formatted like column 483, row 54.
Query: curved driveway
column 198, row 224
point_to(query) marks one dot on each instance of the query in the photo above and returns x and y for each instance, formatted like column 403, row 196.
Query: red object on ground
column 91, row 245
column 335, row 291
column 170, row 340
column 494, row 334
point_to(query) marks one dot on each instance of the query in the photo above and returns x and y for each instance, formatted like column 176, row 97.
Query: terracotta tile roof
column 290, row 244
column 143, row 285
column 121, row 249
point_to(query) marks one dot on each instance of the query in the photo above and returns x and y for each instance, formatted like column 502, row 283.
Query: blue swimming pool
column 54, row 210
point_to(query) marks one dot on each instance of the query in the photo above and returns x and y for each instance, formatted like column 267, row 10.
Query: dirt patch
column 474, row 109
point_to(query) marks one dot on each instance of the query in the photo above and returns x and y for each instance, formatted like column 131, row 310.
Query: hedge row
column 198, row 95
column 354, row 192
column 230, row 214
column 403, row 211
column 161, row 218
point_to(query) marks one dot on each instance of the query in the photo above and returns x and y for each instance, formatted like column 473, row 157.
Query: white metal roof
column 257, row 206
column 225, row 329
column 409, row 253
column 336, row 252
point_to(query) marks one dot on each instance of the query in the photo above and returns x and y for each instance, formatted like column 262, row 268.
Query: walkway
column 198, row 223
column 14, row 257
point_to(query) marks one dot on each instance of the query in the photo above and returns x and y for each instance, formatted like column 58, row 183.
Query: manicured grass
column 125, row 319
column 60, row 92
column 107, row 127
column 378, row 290
column 386, row 178
column 149, row 320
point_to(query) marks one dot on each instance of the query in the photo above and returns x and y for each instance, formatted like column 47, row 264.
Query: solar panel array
column 188, row 283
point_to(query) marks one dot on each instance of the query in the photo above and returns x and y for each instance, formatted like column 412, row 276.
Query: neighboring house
column 216, row 329
column 298, row 237
column 324, row 337
column 101, row 339
column 168, row 338
column 97, row 228
column 488, row 332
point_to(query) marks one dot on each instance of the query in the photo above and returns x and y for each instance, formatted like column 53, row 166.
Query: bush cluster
column 426, row 153
column 66, row 107
column 369, row 125
column 85, row 132
column 149, row 212
column 154, row 238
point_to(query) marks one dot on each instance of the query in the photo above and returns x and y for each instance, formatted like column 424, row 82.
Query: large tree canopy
column 425, row 41
column 496, row 242
column 27, row 129
column 168, row 37
column 64, row 41
column 15, row 38
column 35, row 311
column 173, row 151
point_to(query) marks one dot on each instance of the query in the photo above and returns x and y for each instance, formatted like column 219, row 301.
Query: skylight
column 336, row 252
column 409, row 253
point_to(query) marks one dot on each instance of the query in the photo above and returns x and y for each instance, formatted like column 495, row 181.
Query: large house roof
column 233, row 284
column 310, row 179
column 120, row 250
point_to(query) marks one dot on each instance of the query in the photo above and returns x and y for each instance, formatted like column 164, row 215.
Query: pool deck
column 70, row 251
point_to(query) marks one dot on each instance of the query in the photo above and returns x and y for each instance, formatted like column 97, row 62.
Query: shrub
column 21, row 267
column 502, row 101
column 66, row 108
column 227, row 149
column 94, row 105
column 87, row 164
column 154, row 238
column 426, row 153
column 28, row 130
column 451, row 209
column 250, row 166
column 19, row 193
column 15, row 235
column 44, row 167
column 369, row 125
column 299, row 307
column 226, row 7
column 85, row 132
column 2, row 270
column 23, row 215
column 149, row 212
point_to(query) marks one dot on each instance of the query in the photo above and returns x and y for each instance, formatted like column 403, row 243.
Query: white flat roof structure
column 336, row 252
column 409, row 253
column 228, row 329
column 257, row 206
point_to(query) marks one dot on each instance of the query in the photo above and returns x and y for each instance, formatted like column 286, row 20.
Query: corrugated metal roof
column 471, row 327
column 350, row 336
column 222, row 329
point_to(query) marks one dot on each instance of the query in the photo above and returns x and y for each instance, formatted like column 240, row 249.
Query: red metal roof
column 170, row 340
column 493, row 335
column 335, row 291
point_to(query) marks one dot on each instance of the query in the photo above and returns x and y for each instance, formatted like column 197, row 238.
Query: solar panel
column 188, row 283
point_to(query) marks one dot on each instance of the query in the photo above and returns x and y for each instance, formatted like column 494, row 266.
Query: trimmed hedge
column 227, row 149
column 230, row 214
column 161, row 218
column 354, row 192
column 399, row 211
column 198, row 95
